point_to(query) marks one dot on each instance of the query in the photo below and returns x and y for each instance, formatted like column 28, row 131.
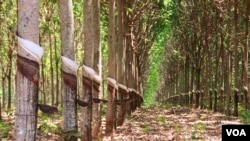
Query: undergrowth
column 5, row 127
column 244, row 115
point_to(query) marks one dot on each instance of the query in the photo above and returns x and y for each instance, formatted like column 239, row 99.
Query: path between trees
column 155, row 123
column 172, row 124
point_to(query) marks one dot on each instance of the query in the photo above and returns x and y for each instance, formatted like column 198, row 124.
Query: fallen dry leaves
column 172, row 124
column 157, row 123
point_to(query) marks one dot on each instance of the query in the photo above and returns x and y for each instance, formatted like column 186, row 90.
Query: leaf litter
column 172, row 124
column 154, row 123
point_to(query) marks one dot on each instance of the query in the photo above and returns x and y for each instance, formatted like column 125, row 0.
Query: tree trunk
column 88, row 61
column 57, row 85
column 111, row 67
column 51, row 71
column 27, row 84
column 43, row 80
column 236, row 101
column 3, row 89
column 192, row 87
column 10, row 56
column 217, row 53
column 0, row 111
column 228, row 82
column 121, row 61
column 221, row 105
column 236, row 58
column 9, row 84
column 197, row 95
column 68, row 76
column 97, row 67
column 2, row 86
column 186, row 76
column 245, row 58
column 228, row 73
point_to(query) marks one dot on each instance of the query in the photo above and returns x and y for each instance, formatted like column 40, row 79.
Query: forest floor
column 172, row 124
column 154, row 123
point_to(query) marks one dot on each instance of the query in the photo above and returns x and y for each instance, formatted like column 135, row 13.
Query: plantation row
column 215, row 100
column 207, row 56
column 28, row 60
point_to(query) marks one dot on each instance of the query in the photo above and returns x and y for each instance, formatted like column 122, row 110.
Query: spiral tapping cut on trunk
column 28, row 68
column 87, row 82
column 70, row 80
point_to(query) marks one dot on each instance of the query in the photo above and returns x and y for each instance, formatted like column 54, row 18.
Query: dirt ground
column 172, row 124
column 155, row 123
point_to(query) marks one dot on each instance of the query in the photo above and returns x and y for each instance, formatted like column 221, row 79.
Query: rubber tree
column 68, row 75
column 27, row 75
column 121, row 61
column 111, row 68
column 97, row 93
column 88, row 61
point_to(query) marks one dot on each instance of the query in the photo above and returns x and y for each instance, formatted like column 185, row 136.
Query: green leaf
column 130, row 10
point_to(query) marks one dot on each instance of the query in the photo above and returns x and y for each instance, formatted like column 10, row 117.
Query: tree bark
column 245, row 58
column 57, row 85
column 236, row 58
column 10, row 56
column 97, row 67
column 111, row 67
column 222, row 48
column 121, row 61
column 69, row 77
column 1, row 102
column 228, row 71
column 27, row 89
column 218, row 54
column 88, row 61
column 51, row 71
column 43, row 80
column 3, row 90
